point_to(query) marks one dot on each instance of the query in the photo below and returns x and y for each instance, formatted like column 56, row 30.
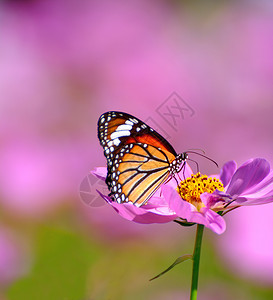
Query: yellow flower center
column 190, row 189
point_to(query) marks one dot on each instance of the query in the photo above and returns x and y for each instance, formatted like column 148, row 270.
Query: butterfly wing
column 138, row 172
column 117, row 129
column 138, row 158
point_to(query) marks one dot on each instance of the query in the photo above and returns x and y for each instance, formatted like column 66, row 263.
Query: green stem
column 196, row 259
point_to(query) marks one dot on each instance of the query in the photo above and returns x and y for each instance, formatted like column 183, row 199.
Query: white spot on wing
column 110, row 143
column 129, row 123
column 117, row 134
column 124, row 127
column 134, row 120
column 116, row 142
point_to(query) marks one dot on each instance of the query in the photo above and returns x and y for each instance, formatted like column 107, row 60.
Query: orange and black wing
column 138, row 158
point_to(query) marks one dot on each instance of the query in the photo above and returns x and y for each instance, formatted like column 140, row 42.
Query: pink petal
column 262, row 193
column 100, row 172
column 187, row 211
column 265, row 187
column 247, row 201
column 180, row 207
column 248, row 175
column 227, row 172
column 141, row 214
column 213, row 200
column 215, row 222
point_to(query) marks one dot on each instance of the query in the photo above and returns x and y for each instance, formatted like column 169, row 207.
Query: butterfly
column 139, row 160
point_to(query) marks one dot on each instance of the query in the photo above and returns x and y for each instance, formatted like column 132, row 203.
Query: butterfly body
column 139, row 159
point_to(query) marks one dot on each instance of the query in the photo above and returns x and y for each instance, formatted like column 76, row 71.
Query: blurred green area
column 71, row 265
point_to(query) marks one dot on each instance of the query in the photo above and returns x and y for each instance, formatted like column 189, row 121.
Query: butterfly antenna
column 204, row 157
column 197, row 149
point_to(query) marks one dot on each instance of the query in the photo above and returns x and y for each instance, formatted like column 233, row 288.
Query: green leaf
column 176, row 262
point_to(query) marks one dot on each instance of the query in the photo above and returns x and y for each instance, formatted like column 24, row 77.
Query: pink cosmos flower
column 202, row 199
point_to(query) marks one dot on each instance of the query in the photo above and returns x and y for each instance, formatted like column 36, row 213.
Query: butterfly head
column 182, row 157
column 178, row 163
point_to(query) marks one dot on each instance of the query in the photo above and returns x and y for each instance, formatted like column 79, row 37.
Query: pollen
column 190, row 189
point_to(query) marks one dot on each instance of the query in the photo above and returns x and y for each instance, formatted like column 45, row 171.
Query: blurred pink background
column 64, row 63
